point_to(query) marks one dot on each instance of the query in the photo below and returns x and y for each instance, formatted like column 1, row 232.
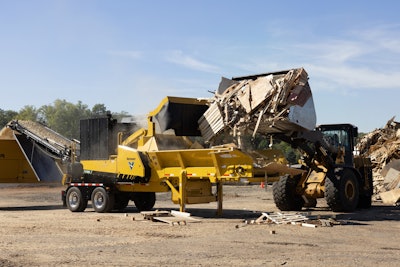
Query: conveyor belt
column 58, row 145
column 42, row 156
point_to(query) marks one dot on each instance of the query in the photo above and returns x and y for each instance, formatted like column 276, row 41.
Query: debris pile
column 383, row 147
column 266, row 103
column 292, row 218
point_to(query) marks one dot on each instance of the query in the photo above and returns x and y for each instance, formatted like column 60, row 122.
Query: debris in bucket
column 264, row 103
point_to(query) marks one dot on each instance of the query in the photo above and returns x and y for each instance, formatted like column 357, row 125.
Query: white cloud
column 347, row 77
column 178, row 57
column 368, row 59
column 337, row 51
column 385, row 37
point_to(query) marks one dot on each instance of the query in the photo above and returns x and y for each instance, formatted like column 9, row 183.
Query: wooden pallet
column 282, row 218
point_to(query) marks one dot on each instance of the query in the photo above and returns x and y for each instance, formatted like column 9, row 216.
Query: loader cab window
column 340, row 139
column 337, row 138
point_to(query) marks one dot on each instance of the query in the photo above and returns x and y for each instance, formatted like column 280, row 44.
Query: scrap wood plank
column 177, row 220
column 172, row 218
column 150, row 215
column 390, row 197
column 284, row 218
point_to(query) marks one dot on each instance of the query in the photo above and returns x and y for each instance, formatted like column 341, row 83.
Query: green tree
column 6, row 116
column 99, row 110
column 292, row 155
column 28, row 113
column 63, row 117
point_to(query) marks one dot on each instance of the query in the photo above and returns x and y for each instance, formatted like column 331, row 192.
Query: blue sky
column 128, row 55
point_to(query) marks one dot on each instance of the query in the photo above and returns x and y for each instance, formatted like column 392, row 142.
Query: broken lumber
column 265, row 103
column 170, row 217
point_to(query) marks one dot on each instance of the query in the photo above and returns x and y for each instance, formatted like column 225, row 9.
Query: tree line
column 61, row 116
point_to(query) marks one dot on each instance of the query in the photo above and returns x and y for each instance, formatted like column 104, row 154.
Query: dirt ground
column 35, row 230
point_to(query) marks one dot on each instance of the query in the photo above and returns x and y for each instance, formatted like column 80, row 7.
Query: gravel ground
column 36, row 230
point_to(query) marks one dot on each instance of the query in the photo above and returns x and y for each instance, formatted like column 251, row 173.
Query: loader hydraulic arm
column 312, row 143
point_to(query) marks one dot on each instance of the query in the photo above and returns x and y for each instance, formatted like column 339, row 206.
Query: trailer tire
column 121, row 201
column 144, row 201
column 342, row 191
column 284, row 193
column 75, row 200
column 101, row 200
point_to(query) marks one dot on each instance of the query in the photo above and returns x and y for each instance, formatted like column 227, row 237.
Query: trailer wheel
column 284, row 193
column 342, row 192
column 101, row 200
column 121, row 201
column 144, row 200
column 75, row 200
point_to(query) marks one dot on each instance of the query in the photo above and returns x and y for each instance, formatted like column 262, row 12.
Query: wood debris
column 283, row 218
column 170, row 217
column 383, row 147
column 291, row 218
column 265, row 103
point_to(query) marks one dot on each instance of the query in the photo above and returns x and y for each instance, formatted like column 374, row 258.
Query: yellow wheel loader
column 280, row 105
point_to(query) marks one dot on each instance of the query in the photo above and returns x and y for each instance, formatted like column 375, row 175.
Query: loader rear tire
column 284, row 193
column 342, row 192
column 75, row 200
column 144, row 201
column 102, row 201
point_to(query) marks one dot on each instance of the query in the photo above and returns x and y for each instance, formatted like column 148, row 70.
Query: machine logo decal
column 131, row 164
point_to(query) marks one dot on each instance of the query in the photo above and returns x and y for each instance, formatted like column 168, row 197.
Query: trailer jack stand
column 219, row 198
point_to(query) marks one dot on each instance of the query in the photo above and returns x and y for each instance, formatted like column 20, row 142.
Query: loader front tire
column 365, row 201
column 101, row 200
column 341, row 191
column 144, row 201
column 284, row 193
column 75, row 200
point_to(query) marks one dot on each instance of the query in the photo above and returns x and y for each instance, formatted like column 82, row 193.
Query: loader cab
column 341, row 135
